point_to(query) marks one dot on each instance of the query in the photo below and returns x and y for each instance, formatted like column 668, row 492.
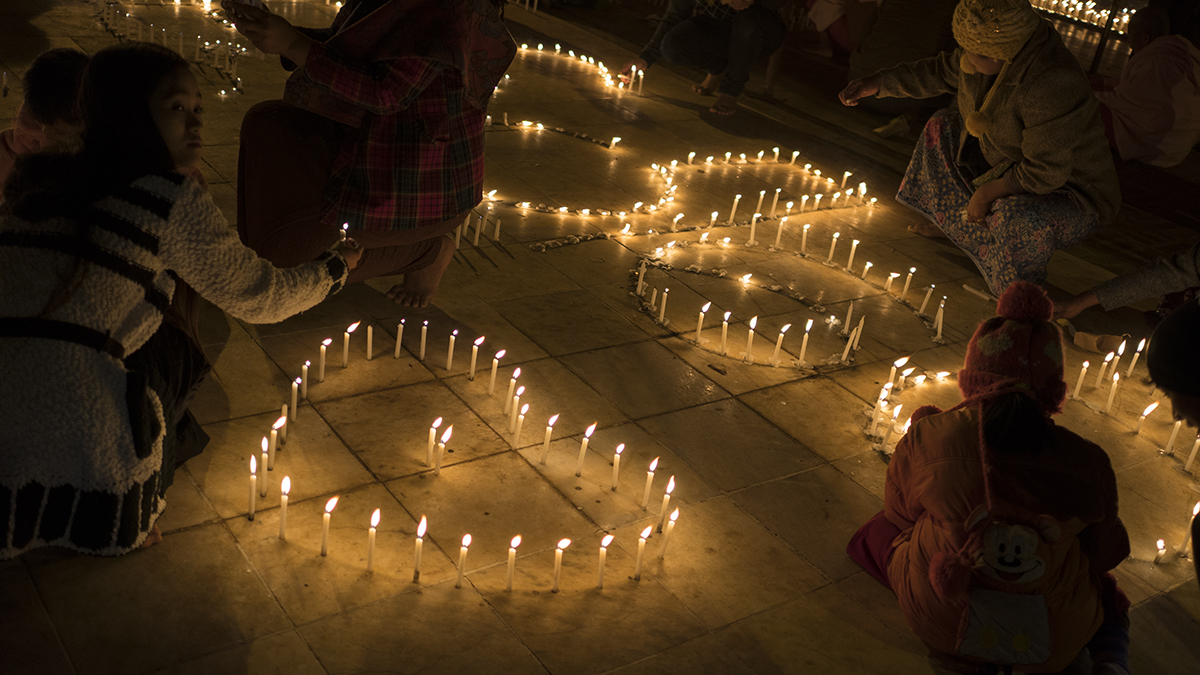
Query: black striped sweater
column 81, row 437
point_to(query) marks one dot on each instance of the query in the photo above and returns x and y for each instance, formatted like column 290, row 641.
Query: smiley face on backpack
column 1009, row 554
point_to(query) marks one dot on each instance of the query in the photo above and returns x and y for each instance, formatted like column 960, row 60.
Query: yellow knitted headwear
column 994, row 28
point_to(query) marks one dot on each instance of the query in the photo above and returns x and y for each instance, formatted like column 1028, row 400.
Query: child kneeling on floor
column 49, row 114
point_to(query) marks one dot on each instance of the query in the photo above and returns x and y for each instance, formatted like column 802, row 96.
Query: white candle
column 853, row 250
column 546, row 440
column 558, row 555
column 666, row 503
column 495, row 364
column 1187, row 466
column 441, row 450
column 891, row 429
column 896, row 365
column 496, row 234
column 641, row 278
column 866, row 268
column 450, row 350
column 512, row 386
column 371, row 541
column 750, row 341
column 845, row 176
column 760, row 155
column 617, row 465
column 370, row 340
column 649, row 481
column 253, row 484
column 925, row 302
column 846, row 330
column 1142, row 420
column 608, row 538
column 753, row 228
column 1170, row 448
column 662, row 552
column 858, row 332
column 803, row 203
column 520, row 423
column 1187, row 531
column 907, row 283
column 817, row 202
column 804, row 342
column 1103, row 369
column 304, row 380
column 462, row 559
column 637, row 565
column 662, row 309
column 779, row 344
column 641, row 81
column 419, row 544
column 583, row 446
column 424, row 334
column 691, row 156
column 612, row 145
column 940, row 319
column 887, row 285
column 1120, row 352
column 1079, row 382
column 1136, row 354
column 432, row 440
column 903, row 378
column 795, row 154
column 736, row 199
column 779, row 232
column 474, row 357
column 725, row 332
column 284, row 488
column 849, row 346
column 329, row 506
column 283, row 428
column 321, row 360
column 804, row 239
column 700, row 321
column 512, row 561
column 295, row 396
column 346, row 343
column 1161, row 555
column 832, row 246
column 268, row 450
column 399, row 339
column 713, row 220
column 775, row 201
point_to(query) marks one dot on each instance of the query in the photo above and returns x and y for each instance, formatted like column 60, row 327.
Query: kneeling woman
column 99, row 365
column 1022, row 168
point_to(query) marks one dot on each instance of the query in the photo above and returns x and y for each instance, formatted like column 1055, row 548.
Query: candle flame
column 785, row 328
column 907, row 371
column 265, row 445
column 446, row 436
column 675, row 515
column 608, row 539
column 1162, row 545
column 330, row 504
column 907, row 425
column 421, row 527
column 671, row 485
column 1149, row 409
column 1116, row 376
column 524, row 409
column 746, row 278
column 646, row 532
column 499, row 355
column 436, row 423
column 353, row 327
column 654, row 465
column 1109, row 357
column 279, row 422
column 454, row 332
column 835, row 234
column 308, row 363
column 553, row 419
column 942, row 375
column 753, row 323
column 286, row 486
column 706, row 306
column 727, row 315
column 1121, row 349
column 808, row 326
column 299, row 380
column 520, row 390
column 375, row 519
column 516, row 541
column 896, row 413
column 327, row 341
column 466, row 540
column 253, row 465
column 920, row 379
column 900, row 362
column 1085, row 365
column 516, row 373
column 912, row 270
column 1196, row 510
column 1141, row 344
column 563, row 543
column 590, row 430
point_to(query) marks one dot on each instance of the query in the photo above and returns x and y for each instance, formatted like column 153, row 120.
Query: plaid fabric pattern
column 417, row 157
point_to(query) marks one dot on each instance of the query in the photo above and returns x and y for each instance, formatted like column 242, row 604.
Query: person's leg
column 1110, row 644
column 871, row 547
column 1021, row 235
column 421, row 255
column 755, row 31
column 932, row 185
column 699, row 42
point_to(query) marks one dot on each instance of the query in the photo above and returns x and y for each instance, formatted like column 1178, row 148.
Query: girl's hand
column 271, row 33
column 860, row 89
column 351, row 251
column 979, row 206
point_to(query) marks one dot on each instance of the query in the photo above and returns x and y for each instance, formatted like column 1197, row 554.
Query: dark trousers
column 729, row 47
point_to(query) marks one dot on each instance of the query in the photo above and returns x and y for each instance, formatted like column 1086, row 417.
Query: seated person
column 48, row 115
column 1152, row 112
column 1172, row 274
column 722, row 37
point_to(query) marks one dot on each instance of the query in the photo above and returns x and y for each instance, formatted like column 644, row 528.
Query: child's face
column 175, row 107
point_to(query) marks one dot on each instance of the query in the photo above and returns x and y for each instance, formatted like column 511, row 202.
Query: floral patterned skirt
column 1021, row 232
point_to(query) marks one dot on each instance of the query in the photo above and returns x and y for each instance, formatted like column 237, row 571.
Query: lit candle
column 879, row 401
column 283, row 428
column 753, row 229
column 284, row 488
column 265, row 462
column 804, row 342
column 346, row 343
column 1142, row 420
column 713, row 220
column 1187, row 531
column 662, row 552
column 803, row 203
column 832, row 246
column 1161, row 555
column 371, row 541
column 520, row 423
column 736, row 199
column 1103, row 369
column 700, row 321
column 420, row 543
column 253, row 483
column 907, row 283
column 804, row 238
column 1079, row 382
column 903, row 378
column 817, row 202
column 424, row 334
column 779, row 232
column 649, row 481
column 775, row 201
column 583, row 446
column 637, row 565
column 608, row 538
column 474, row 355
column 925, row 302
column 321, row 361
column 613, row 143
column 450, row 351
column 641, row 277
column 441, row 450
column 546, row 441
column 1136, row 354
column 295, row 395
column 432, row 439
column 853, row 250
column 666, row 503
column 896, row 365
column 462, row 559
column 727, row 156
column 1170, row 447
column 725, row 332
column 887, row 285
column 691, row 156
column 795, row 154
column 662, row 309
column 1187, row 466
column 866, row 268
column 617, row 465
column 495, row 364
column 940, row 319
column 1117, row 360
column 329, row 505
column 558, row 554
column 399, row 339
column 750, row 340
column 512, row 385
column 891, row 429
column 760, row 155
column 512, row 561
column 779, row 344
column 845, row 177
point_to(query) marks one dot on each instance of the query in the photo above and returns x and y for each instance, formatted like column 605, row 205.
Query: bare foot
column 420, row 285
column 926, row 230
column 154, row 536
column 707, row 86
column 725, row 105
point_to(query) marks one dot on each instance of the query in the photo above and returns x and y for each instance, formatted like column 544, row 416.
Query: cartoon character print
column 1009, row 554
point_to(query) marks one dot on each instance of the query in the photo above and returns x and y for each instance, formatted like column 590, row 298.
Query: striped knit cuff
column 338, row 270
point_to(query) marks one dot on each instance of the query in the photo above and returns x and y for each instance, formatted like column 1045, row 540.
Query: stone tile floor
column 772, row 466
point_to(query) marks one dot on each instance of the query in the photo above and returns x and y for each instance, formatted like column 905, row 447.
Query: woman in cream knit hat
column 1022, row 167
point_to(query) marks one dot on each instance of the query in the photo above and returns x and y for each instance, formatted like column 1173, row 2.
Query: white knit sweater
column 80, row 437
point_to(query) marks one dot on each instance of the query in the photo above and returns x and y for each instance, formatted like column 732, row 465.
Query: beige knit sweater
column 1045, row 119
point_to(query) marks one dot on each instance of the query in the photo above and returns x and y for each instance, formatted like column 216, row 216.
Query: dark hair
column 1152, row 22
column 1014, row 423
column 52, row 85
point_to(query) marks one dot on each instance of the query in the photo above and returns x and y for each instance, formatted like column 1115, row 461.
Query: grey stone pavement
column 772, row 465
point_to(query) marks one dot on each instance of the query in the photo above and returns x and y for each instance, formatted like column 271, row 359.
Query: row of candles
column 1086, row 12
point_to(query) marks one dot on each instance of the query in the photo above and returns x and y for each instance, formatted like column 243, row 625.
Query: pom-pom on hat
column 1172, row 357
column 994, row 28
column 1019, row 350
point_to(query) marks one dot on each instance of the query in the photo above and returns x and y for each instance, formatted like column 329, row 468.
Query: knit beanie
column 1172, row 358
column 1019, row 350
column 994, row 28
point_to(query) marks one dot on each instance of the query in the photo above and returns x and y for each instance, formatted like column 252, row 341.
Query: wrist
column 298, row 49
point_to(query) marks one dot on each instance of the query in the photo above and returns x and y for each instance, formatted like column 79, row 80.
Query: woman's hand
column 860, row 88
column 351, row 251
column 270, row 33
column 983, row 198
column 626, row 74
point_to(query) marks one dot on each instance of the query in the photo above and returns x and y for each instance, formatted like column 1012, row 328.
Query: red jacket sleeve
column 380, row 87
column 900, row 506
column 1106, row 543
